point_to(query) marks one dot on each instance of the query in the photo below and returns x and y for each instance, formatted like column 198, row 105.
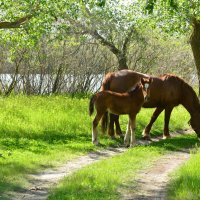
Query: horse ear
column 150, row 80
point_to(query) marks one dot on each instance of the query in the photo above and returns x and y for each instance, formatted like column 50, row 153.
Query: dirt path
column 42, row 182
column 156, row 174
column 151, row 184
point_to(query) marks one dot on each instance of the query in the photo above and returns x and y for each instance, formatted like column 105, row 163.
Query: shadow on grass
column 48, row 136
column 6, row 187
column 179, row 143
column 40, row 142
column 9, row 176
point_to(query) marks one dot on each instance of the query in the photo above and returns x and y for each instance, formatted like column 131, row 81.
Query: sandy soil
column 42, row 182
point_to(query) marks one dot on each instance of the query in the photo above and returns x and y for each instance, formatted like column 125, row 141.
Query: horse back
column 122, row 81
column 119, row 103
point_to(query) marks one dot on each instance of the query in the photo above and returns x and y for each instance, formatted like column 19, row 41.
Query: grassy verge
column 38, row 132
column 186, row 181
column 102, row 180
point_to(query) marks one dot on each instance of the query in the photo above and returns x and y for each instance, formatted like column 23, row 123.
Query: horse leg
column 127, row 135
column 166, row 126
column 111, row 132
column 146, row 132
column 94, row 128
column 132, row 125
column 118, row 128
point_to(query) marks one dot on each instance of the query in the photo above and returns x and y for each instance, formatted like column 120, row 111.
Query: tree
column 109, row 22
column 179, row 16
column 113, row 25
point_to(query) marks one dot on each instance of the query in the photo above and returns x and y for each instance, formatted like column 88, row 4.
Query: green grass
column 102, row 180
column 39, row 132
column 186, row 181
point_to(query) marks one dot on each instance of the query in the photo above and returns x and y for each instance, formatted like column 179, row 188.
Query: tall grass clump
column 186, row 181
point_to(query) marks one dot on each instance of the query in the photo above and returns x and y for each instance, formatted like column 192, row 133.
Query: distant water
column 69, row 83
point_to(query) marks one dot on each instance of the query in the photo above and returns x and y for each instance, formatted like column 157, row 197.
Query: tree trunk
column 57, row 79
column 195, row 44
column 14, row 81
column 120, row 54
column 122, row 61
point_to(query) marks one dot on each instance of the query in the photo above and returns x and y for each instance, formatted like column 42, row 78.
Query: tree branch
column 15, row 24
column 96, row 35
column 127, row 39
column 106, row 43
column 20, row 21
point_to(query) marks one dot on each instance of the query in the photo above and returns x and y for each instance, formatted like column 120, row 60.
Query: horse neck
column 190, row 100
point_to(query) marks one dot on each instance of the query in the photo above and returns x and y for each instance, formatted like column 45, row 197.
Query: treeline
column 60, row 66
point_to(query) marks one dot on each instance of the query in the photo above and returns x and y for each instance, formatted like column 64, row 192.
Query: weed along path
column 42, row 182
column 150, row 183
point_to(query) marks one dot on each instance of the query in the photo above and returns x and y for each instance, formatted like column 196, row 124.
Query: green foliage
column 46, row 130
column 173, row 16
column 56, row 18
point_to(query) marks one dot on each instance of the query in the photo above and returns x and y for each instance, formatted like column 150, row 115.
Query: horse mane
column 192, row 92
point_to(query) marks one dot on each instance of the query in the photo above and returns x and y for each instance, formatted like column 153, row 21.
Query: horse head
column 146, row 82
column 195, row 122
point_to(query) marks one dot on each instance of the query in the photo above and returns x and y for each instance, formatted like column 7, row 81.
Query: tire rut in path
column 41, row 183
column 152, row 183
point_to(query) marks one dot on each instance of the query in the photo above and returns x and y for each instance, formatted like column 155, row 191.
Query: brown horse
column 120, row 103
column 167, row 91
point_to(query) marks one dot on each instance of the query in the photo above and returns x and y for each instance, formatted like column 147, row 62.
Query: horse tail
column 105, row 86
column 91, row 105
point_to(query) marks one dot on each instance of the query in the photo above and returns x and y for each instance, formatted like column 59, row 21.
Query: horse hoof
column 132, row 145
column 166, row 137
column 144, row 132
column 146, row 137
column 126, row 144
column 95, row 142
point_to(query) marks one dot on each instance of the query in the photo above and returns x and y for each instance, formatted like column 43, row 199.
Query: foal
column 120, row 103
